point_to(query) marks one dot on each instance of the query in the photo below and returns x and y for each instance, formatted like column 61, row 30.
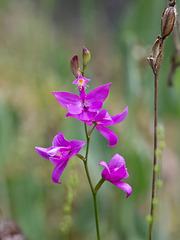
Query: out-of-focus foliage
column 37, row 41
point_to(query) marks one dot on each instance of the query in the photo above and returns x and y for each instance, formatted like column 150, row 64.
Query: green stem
column 96, row 215
column 87, row 137
column 91, row 129
column 99, row 185
column 88, row 176
column 81, row 157
column 90, row 183
column 83, row 71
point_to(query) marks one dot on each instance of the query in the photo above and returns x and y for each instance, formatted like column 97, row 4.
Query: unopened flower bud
column 162, row 144
column 155, row 201
column 75, row 66
column 169, row 18
column 158, row 153
column 149, row 219
column 86, row 56
column 157, row 168
column 159, row 183
column 160, row 132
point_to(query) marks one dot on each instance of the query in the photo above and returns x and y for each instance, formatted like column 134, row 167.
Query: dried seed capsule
column 169, row 18
column 155, row 58
column 75, row 66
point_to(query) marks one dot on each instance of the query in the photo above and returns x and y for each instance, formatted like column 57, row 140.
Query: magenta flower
column 103, row 119
column 85, row 106
column 59, row 153
column 115, row 171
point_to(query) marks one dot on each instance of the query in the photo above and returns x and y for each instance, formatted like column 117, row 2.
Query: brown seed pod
column 169, row 18
column 155, row 58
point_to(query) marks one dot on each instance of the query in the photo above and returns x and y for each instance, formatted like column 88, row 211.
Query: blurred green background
column 37, row 40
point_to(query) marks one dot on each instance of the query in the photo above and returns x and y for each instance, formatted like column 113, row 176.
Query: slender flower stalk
column 96, row 215
column 94, row 193
column 88, row 175
column 101, row 181
column 86, row 157
column 155, row 152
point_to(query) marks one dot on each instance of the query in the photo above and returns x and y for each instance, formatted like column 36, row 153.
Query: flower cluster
column 87, row 107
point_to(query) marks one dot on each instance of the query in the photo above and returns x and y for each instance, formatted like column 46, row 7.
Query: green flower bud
column 155, row 201
column 159, row 183
column 149, row 219
column 168, row 21
column 70, row 197
column 160, row 132
column 67, row 209
column 66, row 224
column 162, row 144
column 157, row 168
column 75, row 66
column 158, row 153
column 86, row 56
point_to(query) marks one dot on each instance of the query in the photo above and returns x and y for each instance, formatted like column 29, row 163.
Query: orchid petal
column 124, row 186
column 100, row 115
column 43, row 152
column 126, row 175
column 82, row 93
column 58, row 170
column 118, row 173
column 106, row 172
column 68, row 100
column 57, row 150
column 59, row 140
column 119, row 117
column 76, row 146
column 85, row 116
column 98, row 94
column 89, row 123
column 108, row 134
column 56, row 160
column 95, row 106
column 53, row 151
column 75, row 108
column 116, row 161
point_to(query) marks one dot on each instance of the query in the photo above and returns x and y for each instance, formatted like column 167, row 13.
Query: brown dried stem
column 155, row 151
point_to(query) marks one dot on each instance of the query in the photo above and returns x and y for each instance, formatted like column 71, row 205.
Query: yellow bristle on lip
column 81, row 81
column 59, row 154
